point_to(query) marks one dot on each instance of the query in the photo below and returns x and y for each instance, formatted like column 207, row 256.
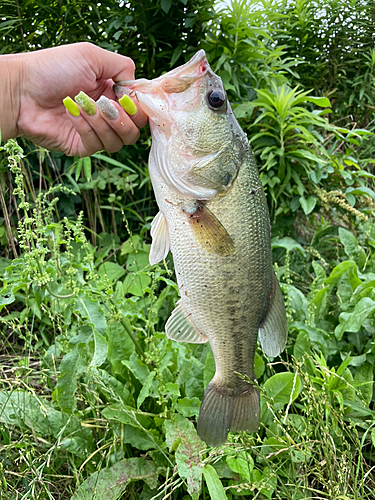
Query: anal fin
column 273, row 332
column 160, row 239
column 181, row 328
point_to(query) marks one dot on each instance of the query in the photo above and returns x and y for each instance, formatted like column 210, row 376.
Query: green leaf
column 365, row 376
column 23, row 409
column 112, row 270
column 352, row 322
column 120, row 346
column 287, row 243
column 100, row 350
column 242, row 464
column 137, row 367
column 363, row 190
column 112, row 161
column 67, row 382
column 352, row 249
column 111, row 482
column 209, row 369
column 141, row 439
column 323, row 102
column 259, row 365
column 188, row 407
column 182, row 436
column 145, row 391
column 283, row 388
column 166, row 5
column 339, row 270
column 87, row 167
column 307, row 204
column 136, row 284
column 214, row 485
column 90, row 310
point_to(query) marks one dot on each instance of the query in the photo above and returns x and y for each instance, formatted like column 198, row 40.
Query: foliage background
column 95, row 402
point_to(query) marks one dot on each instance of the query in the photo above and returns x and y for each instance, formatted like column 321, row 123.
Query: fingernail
column 128, row 105
column 107, row 107
column 86, row 103
column 71, row 106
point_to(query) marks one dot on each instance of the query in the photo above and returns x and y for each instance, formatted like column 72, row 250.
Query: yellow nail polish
column 86, row 103
column 71, row 106
column 128, row 105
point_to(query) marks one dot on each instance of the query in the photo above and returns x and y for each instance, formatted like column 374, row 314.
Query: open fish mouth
column 175, row 81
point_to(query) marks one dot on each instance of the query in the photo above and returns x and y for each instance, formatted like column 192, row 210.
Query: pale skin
column 34, row 84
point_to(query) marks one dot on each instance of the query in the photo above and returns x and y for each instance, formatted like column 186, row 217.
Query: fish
column 213, row 217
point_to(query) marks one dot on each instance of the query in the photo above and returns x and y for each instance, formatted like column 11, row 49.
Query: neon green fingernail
column 71, row 106
column 128, row 105
column 86, row 103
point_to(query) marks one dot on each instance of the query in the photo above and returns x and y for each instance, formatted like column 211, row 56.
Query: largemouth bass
column 214, row 218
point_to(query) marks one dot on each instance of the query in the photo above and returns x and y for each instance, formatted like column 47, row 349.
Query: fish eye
column 215, row 98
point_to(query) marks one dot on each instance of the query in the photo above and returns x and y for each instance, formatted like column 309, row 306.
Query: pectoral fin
column 209, row 231
column 160, row 239
column 273, row 332
column 181, row 328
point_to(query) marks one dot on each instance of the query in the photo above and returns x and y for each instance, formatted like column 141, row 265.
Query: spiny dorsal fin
column 273, row 332
column 160, row 239
column 181, row 328
column 209, row 231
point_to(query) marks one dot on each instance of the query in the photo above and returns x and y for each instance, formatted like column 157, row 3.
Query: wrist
column 10, row 95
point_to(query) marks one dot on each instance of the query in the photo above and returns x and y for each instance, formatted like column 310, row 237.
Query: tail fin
column 221, row 413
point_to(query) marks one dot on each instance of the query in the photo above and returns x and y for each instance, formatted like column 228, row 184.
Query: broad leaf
column 111, row 482
column 214, row 485
column 182, row 436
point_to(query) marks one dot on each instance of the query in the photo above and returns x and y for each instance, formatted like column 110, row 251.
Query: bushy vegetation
column 95, row 401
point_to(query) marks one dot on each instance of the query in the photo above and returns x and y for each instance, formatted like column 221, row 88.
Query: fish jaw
column 178, row 90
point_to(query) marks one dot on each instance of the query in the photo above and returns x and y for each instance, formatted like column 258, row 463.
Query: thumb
column 108, row 64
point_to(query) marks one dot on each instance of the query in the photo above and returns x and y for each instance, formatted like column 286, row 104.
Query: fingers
column 107, row 64
column 108, row 127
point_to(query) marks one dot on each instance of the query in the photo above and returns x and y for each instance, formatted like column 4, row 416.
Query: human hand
column 48, row 76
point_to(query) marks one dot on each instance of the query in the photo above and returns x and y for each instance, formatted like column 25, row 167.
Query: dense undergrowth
column 95, row 401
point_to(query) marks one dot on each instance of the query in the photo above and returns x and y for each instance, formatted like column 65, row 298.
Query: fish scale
column 214, row 219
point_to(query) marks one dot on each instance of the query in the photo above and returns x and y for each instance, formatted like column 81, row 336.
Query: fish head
column 190, row 115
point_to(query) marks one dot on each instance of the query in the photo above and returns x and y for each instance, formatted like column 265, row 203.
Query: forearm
column 10, row 94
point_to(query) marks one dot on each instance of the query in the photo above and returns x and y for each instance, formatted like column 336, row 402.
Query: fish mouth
column 175, row 81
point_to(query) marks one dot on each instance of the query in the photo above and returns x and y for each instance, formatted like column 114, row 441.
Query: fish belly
column 226, row 296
